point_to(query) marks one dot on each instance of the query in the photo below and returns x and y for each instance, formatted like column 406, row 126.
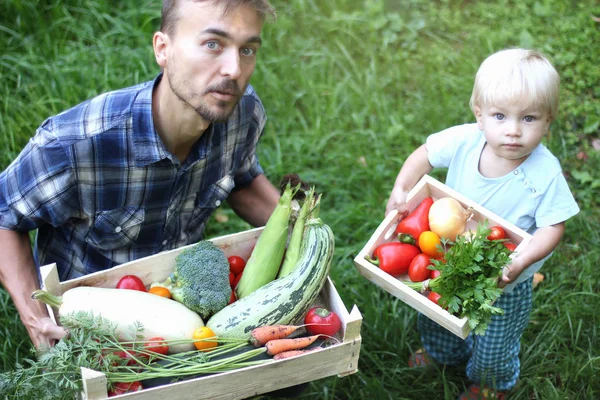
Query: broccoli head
column 200, row 279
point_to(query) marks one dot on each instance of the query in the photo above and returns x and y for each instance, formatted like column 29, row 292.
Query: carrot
column 293, row 353
column 280, row 345
column 263, row 334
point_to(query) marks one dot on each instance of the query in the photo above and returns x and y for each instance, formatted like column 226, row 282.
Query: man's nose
column 231, row 66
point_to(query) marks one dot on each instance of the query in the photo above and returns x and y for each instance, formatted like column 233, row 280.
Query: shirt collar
column 149, row 148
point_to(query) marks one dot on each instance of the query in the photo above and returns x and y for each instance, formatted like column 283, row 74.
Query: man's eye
column 248, row 51
column 212, row 45
column 499, row 116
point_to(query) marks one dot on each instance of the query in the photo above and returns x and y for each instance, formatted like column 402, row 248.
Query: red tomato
column 124, row 387
column 435, row 297
column 157, row 344
column 497, row 233
column 232, row 298
column 434, row 273
column 131, row 282
column 126, row 355
column 237, row 279
column 231, row 279
column 324, row 322
column 417, row 270
column 236, row 264
column 511, row 246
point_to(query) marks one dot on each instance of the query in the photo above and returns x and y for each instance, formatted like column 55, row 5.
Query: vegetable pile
column 468, row 281
column 137, row 335
column 455, row 268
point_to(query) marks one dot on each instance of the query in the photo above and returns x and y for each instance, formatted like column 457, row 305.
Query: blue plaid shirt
column 101, row 188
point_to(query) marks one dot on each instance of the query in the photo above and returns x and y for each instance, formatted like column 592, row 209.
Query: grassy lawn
column 351, row 88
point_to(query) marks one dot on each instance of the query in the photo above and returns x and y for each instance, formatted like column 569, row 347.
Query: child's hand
column 397, row 201
column 511, row 272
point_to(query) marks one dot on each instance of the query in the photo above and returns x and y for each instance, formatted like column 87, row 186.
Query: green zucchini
column 284, row 300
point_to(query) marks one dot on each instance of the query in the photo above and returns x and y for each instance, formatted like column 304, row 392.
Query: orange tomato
column 160, row 291
column 204, row 332
column 428, row 242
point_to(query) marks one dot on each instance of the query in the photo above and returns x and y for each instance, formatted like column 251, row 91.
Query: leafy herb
column 468, row 284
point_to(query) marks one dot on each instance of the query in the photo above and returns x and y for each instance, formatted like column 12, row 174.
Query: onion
column 448, row 218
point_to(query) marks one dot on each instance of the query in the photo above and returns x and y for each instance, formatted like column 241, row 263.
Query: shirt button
column 218, row 203
column 164, row 242
column 118, row 229
column 516, row 172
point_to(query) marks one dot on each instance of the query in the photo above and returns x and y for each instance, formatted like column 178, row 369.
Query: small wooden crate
column 428, row 187
column 339, row 359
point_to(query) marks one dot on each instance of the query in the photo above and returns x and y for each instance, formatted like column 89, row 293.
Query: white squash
column 159, row 316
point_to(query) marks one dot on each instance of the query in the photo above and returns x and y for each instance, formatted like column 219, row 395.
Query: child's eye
column 529, row 118
column 499, row 116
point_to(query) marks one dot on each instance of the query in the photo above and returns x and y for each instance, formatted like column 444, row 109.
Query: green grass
column 351, row 88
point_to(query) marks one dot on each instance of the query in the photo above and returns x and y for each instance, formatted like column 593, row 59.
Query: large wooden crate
column 426, row 187
column 339, row 359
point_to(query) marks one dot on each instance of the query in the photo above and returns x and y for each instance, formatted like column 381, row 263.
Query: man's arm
column 255, row 203
column 18, row 275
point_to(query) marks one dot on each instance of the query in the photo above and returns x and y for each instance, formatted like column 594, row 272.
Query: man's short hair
column 169, row 15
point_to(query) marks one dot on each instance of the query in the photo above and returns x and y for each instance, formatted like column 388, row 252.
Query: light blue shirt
column 532, row 196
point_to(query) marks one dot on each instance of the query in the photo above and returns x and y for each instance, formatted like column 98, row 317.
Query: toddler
column 500, row 163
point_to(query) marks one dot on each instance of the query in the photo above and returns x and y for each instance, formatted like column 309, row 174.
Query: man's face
column 211, row 56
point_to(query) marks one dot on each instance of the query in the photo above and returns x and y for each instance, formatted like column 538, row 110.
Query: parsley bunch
column 468, row 284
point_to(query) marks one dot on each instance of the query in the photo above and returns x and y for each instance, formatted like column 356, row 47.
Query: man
column 137, row 171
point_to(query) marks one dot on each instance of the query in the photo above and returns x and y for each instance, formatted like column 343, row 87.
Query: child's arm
column 413, row 169
column 543, row 241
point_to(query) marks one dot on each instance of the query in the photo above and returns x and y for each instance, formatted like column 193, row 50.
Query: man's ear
column 478, row 117
column 160, row 44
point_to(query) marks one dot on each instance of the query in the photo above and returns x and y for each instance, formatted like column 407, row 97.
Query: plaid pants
column 492, row 359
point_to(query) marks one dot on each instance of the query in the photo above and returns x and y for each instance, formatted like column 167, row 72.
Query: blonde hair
column 513, row 75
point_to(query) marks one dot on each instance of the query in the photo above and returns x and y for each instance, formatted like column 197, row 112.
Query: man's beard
column 204, row 110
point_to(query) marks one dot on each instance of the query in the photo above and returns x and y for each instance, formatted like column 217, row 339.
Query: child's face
column 512, row 131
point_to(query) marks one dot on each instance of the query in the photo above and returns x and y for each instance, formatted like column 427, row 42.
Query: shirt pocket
column 207, row 200
column 114, row 229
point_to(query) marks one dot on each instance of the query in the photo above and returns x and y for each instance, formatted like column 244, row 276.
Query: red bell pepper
column 394, row 257
column 410, row 228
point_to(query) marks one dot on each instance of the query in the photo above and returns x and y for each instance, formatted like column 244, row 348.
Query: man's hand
column 47, row 334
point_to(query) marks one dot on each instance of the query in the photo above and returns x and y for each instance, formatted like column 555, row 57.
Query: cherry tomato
column 131, row 282
column 497, row 233
column 236, row 264
column 435, row 297
column 324, row 322
column 429, row 242
column 511, row 246
column 119, row 388
column 157, row 344
column 232, row 299
column 127, row 356
column 434, row 273
column 417, row 270
column 160, row 291
column 204, row 332
column 237, row 279
column 231, row 279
